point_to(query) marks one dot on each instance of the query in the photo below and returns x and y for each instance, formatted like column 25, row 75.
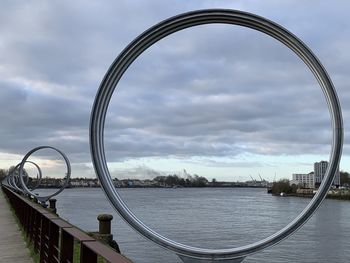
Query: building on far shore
column 320, row 170
column 304, row 180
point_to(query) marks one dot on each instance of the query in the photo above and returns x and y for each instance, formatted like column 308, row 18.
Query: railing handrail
column 53, row 238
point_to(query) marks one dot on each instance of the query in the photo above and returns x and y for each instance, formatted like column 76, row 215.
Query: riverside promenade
column 12, row 245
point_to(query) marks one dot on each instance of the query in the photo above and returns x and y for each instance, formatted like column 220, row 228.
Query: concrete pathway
column 12, row 245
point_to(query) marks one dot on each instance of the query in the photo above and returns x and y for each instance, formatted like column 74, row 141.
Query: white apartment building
column 320, row 170
column 305, row 180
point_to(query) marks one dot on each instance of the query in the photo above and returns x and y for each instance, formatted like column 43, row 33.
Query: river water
column 215, row 218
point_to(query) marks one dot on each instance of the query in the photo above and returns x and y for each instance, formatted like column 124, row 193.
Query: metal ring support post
column 43, row 199
column 156, row 33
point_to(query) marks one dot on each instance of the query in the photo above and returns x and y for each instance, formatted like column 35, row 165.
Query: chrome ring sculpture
column 10, row 181
column 156, row 33
column 39, row 176
column 14, row 179
column 26, row 190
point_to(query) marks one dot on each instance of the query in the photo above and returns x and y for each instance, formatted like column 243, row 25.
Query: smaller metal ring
column 43, row 199
column 39, row 176
column 13, row 179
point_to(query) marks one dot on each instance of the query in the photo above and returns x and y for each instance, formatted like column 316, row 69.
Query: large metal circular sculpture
column 43, row 199
column 156, row 33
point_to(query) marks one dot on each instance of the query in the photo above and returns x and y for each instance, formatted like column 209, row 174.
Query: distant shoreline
column 343, row 194
column 153, row 187
column 339, row 194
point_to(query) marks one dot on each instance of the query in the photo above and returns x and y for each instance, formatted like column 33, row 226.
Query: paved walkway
column 12, row 245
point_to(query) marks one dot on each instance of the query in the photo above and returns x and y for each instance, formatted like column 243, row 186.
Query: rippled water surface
column 216, row 218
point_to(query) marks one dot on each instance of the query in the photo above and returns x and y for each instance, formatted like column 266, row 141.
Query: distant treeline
column 283, row 186
column 190, row 181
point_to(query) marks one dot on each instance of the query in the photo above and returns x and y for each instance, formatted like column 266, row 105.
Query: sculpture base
column 196, row 260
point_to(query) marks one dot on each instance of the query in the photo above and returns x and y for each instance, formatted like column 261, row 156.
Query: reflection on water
column 216, row 218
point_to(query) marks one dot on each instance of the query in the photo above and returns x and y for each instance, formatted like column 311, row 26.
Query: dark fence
column 55, row 240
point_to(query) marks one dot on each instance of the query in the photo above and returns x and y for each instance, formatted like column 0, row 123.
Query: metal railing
column 55, row 240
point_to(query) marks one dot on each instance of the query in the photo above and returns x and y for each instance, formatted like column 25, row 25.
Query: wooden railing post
column 87, row 255
column 67, row 246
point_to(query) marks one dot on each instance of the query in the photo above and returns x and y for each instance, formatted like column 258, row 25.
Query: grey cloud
column 31, row 119
column 208, row 91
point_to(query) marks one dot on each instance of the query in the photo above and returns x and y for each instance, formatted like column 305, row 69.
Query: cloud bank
column 211, row 91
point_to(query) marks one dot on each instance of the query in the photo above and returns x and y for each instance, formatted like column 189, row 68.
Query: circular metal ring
column 13, row 179
column 8, row 181
column 16, row 175
column 43, row 199
column 151, row 36
column 39, row 176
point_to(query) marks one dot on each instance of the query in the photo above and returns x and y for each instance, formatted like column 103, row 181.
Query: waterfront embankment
column 339, row 194
column 284, row 188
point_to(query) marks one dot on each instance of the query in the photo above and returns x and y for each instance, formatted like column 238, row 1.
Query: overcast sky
column 219, row 101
